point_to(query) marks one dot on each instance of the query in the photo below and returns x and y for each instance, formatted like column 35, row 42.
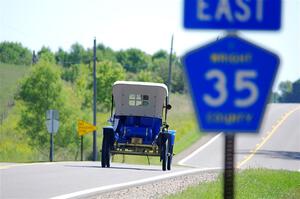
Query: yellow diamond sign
column 84, row 127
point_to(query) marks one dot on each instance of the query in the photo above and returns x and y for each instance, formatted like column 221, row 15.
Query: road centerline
column 269, row 135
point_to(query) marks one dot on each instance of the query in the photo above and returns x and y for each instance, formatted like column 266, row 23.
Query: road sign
column 230, row 80
column 84, row 127
column 232, row 14
column 52, row 121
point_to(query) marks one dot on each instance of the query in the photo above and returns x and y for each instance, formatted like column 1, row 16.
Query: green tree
column 178, row 83
column 77, row 54
column 133, row 60
column 105, row 53
column 290, row 92
column 274, row 97
column 107, row 73
column 46, row 54
column 43, row 90
column 40, row 91
column 285, row 89
column 61, row 57
column 161, row 54
column 83, row 87
column 71, row 73
column 14, row 53
column 295, row 96
column 160, row 68
column 148, row 76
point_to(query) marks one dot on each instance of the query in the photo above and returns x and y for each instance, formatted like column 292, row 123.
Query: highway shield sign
column 85, row 127
column 232, row 14
column 230, row 80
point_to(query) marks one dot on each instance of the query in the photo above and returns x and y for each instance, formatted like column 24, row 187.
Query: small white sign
column 52, row 121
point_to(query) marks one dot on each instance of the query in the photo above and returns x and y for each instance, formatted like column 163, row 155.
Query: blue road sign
column 232, row 14
column 230, row 80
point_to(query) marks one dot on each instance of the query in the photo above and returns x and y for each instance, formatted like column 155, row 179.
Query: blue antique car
column 137, row 126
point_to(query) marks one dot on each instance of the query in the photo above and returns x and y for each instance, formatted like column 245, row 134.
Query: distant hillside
column 9, row 76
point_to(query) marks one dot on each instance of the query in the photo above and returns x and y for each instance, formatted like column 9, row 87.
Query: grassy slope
column 256, row 183
column 9, row 76
column 13, row 142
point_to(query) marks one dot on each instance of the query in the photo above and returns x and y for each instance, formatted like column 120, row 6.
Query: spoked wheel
column 164, row 151
column 170, row 157
column 105, row 153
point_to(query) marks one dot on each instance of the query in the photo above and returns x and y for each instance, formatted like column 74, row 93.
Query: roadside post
column 230, row 79
column 52, row 123
column 94, row 103
column 84, row 128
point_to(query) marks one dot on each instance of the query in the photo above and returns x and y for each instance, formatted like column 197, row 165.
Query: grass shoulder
column 252, row 183
column 10, row 74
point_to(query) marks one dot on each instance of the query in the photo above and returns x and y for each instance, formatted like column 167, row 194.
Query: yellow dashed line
column 27, row 164
column 5, row 167
column 265, row 139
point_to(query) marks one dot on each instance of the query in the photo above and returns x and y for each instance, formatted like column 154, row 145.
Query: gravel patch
column 160, row 189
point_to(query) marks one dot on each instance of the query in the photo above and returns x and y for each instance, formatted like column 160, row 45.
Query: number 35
column 241, row 83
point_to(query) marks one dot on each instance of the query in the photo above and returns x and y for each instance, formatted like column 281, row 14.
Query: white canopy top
column 139, row 98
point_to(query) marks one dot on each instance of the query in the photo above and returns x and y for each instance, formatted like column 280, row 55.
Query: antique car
column 139, row 123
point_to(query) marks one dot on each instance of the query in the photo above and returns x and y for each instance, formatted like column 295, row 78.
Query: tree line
column 63, row 81
column 289, row 92
column 137, row 64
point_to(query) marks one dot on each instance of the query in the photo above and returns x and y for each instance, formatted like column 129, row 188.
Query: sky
column 144, row 24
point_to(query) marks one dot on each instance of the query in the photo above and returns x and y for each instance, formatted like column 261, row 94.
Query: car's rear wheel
column 106, row 146
column 104, row 152
column 164, row 152
column 170, row 157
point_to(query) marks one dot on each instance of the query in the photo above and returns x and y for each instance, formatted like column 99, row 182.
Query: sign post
column 51, row 148
column 52, row 123
column 94, row 103
column 230, row 79
column 81, row 148
column 229, row 166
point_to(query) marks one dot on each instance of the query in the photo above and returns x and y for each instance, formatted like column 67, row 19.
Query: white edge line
column 181, row 162
column 132, row 183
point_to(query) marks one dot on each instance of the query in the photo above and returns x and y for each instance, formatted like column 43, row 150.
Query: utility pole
column 94, row 105
column 169, row 78
column 170, row 65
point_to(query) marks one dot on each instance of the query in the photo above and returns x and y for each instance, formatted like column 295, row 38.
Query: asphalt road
column 46, row 180
column 276, row 146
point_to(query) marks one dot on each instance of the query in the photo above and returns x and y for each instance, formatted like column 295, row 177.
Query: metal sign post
column 52, row 123
column 81, row 148
column 51, row 148
column 229, row 167
column 95, row 105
